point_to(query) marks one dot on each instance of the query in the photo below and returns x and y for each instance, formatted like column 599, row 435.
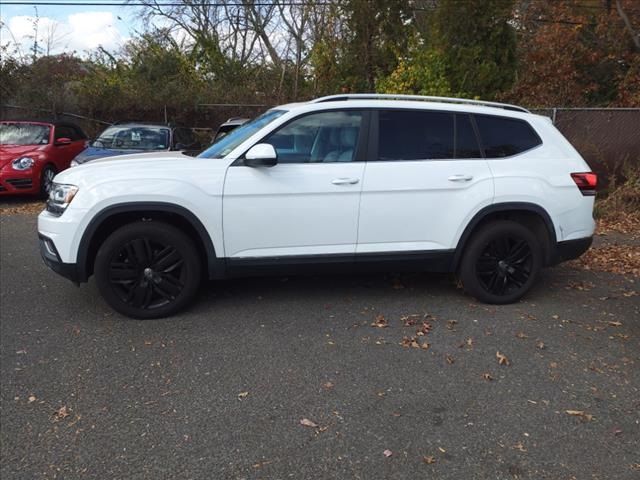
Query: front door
column 308, row 203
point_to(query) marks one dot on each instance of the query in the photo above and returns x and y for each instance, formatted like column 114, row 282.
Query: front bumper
column 52, row 260
column 17, row 182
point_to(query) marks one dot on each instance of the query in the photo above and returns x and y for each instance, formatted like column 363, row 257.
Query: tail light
column 586, row 182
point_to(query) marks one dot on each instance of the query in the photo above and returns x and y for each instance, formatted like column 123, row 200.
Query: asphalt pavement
column 548, row 388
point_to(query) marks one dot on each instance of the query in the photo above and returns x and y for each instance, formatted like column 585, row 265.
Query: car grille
column 21, row 183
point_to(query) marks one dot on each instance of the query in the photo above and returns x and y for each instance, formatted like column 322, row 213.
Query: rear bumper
column 571, row 249
column 52, row 260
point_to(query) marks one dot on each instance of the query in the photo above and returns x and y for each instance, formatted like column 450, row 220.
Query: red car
column 31, row 153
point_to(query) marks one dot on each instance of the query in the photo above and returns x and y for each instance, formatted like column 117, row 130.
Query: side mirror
column 261, row 155
column 63, row 141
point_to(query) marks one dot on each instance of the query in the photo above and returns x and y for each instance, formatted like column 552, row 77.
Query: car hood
column 144, row 167
column 93, row 153
column 8, row 153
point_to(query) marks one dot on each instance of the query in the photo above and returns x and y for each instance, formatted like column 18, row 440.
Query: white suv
column 486, row 190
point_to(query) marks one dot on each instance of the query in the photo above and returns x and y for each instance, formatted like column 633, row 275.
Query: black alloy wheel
column 501, row 262
column 505, row 265
column 147, row 270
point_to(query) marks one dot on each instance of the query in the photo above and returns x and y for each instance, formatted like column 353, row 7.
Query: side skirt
column 423, row 261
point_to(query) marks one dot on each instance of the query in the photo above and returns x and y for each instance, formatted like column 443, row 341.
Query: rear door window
column 504, row 137
column 415, row 135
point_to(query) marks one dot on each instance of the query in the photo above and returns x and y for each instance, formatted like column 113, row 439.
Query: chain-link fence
column 607, row 138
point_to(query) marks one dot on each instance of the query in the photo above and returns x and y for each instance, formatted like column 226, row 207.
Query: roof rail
column 422, row 98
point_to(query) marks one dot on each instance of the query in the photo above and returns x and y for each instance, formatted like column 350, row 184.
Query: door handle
column 345, row 181
column 461, row 177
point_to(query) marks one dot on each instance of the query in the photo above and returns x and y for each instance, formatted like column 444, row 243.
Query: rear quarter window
column 503, row 137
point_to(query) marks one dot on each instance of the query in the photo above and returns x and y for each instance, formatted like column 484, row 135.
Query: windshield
column 231, row 140
column 24, row 134
column 133, row 138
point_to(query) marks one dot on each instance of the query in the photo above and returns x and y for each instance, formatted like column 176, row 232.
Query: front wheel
column 46, row 180
column 501, row 262
column 148, row 270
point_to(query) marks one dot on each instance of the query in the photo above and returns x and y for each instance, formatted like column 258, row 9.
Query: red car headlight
column 22, row 163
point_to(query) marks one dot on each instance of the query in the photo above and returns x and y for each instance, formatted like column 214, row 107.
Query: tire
column 148, row 270
column 46, row 179
column 501, row 262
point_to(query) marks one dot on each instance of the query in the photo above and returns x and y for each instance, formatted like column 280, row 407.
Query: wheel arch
column 532, row 216
column 114, row 216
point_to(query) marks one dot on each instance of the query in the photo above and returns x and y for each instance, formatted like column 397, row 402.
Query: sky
column 74, row 28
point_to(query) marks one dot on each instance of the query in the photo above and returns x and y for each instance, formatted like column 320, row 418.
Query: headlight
column 22, row 163
column 60, row 197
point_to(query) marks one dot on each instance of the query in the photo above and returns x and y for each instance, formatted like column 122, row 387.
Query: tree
column 478, row 44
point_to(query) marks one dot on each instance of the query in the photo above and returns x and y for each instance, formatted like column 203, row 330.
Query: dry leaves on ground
column 387, row 453
column 620, row 259
column 21, row 207
column 428, row 459
column 622, row 222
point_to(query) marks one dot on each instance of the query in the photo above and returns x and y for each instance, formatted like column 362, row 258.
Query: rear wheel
column 501, row 262
column 148, row 270
column 46, row 180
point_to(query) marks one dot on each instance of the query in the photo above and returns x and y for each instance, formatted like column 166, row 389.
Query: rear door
column 424, row 180
column 308, row 203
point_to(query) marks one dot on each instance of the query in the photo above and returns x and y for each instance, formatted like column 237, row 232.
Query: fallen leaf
column 615, row 323
column 451, row 324
column 521, row 335
column 242, row 395
column 540, row 345
column 32, row 398
column 387, row 453
column 424, row 329
column 442, row 450
column 555, row 317
column 410, row 320
column 380, row 322
column 425, row 346
column 61, row 413
column 487, row 376
column 327, row 385
column 305, row 422
column 580, row 413
column 502, row 359
column 450, row 359
column 428, row 459
column 519, row 446
column 410, row 342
